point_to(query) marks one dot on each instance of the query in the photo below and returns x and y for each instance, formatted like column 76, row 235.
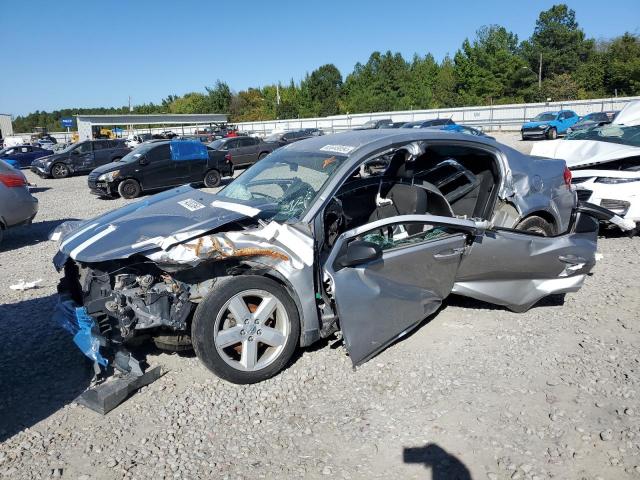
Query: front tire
column 262, row 155
column 129, row 188
column 552, row 133
column 59, row 170
column 212, row 179
column 536, row 225
column 246, row 329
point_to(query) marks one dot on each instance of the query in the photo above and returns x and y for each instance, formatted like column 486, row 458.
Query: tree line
column 558, row 62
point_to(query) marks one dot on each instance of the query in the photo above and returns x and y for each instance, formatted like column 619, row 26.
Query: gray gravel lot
column 476, row 392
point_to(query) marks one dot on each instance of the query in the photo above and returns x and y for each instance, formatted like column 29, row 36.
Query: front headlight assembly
column 109, row 176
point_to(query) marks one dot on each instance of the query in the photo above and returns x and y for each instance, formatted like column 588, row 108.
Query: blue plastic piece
column 188, row 150
column 82, row 326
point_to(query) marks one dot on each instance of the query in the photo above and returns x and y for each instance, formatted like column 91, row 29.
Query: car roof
column 357, row 139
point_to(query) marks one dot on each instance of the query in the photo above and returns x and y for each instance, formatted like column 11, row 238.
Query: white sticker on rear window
column 191, row 205
column 344, row 149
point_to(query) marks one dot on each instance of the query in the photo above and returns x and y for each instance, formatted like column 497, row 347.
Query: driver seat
column 405, row 200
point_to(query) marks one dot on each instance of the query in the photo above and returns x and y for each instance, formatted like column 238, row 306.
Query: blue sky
column 89, row 53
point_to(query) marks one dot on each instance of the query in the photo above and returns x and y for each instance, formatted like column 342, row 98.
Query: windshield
column 370, row 124
column 284, row 184
column 216, row 144
column 412, row 125
column 594, row 117
column 609, row 133
column 137, row 152
column 544, row 117
column 69, row 147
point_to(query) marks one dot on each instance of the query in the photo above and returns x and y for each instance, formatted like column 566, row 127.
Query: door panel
column 379, row 301
column 516, row 269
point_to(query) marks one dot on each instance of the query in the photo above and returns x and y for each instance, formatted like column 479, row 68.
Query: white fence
column 493, row 117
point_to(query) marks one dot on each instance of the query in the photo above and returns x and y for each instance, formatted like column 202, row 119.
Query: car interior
column 415, row 179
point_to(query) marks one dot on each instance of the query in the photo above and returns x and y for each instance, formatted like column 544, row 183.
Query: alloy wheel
column 251, row 330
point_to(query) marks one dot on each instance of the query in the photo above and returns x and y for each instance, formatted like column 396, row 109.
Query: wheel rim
column 251, row 330
column 212, row 178
column 129, row 189
column 59, row 170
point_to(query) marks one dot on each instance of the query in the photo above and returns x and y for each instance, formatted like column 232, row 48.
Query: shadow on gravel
column 39, row 189
column 41, row 370
column 25, row 235
column 442, row 464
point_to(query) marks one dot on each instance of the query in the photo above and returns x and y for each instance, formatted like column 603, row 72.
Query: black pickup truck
column 160, row 165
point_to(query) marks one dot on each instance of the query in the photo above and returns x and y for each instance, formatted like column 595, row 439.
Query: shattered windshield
column 610, row 133
column 284, row 184
column 137, row 152
column 544, row 117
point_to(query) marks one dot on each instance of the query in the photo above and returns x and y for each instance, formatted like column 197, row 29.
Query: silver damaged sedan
column 363, row 233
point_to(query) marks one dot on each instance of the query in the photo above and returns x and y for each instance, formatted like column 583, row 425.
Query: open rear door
column 390, row 274
column 516, row 269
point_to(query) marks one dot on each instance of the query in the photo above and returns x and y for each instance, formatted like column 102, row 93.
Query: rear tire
column 536, row 225
column 227, row 337
column 552, row 133
column 59, row 170
column 212, row 178
column 129, row 189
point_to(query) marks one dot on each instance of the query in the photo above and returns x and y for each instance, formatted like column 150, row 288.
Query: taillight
column 12, row 180
column 227, row 158
column 567, row 176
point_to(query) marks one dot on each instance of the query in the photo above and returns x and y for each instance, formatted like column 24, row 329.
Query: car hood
column 579, row 153
column 536, row 124
column 154, row 223
column 109, row 167
column 49, row 158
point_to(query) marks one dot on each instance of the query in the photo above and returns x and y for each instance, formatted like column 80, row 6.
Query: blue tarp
column 82, row 326
column 188, row 150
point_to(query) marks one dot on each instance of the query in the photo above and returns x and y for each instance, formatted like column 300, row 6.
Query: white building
column 6, row 126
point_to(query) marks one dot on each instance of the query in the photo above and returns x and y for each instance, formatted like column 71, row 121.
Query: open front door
column 390, row 274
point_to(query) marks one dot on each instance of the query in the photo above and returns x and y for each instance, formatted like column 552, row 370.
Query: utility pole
column 540, row 73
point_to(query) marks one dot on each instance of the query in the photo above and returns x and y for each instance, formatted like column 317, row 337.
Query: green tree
column 322, row 90
column 444, row 88
column 423, row 73
column 622, row 65
column 219, row 98
column 559, row 39
column 490, row 67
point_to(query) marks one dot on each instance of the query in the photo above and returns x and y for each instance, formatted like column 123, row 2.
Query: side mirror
column 359, row 252
column 143, row 160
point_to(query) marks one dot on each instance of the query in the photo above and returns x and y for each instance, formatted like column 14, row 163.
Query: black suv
column 244, row 151
column 80, row 157
column 285, row 138
column 159, row 165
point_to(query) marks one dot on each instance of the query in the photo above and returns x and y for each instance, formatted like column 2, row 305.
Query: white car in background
column 605, row 164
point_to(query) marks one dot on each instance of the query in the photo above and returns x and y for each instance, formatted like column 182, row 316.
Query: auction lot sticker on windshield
column 191, row 205
column 344, row 149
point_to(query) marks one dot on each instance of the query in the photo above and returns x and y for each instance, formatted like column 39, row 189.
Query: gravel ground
column 476, row 392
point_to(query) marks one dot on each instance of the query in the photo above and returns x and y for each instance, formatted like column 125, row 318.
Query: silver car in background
column 17, row 205
column 363, row 232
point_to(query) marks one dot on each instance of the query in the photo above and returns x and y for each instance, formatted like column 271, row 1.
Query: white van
column 14, row 141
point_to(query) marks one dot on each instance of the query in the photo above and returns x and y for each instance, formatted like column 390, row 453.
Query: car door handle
column 448, row 253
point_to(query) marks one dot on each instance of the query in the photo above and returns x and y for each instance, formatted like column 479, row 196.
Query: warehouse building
column 87, row 122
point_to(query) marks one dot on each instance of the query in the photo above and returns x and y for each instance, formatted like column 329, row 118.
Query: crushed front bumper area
column 107, row 393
